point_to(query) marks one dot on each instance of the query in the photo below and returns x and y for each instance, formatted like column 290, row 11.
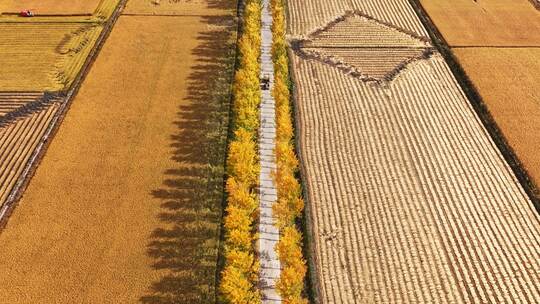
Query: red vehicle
column 26, row 13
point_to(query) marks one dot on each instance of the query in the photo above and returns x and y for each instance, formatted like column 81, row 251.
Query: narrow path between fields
column 269, row 233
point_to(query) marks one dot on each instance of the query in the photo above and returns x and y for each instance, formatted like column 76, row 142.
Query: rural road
column 268, row 232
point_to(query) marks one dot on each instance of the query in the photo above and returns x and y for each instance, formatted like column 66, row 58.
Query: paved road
column 269, row 233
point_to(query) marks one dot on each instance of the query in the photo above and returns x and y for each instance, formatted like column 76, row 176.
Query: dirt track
column 125, row 205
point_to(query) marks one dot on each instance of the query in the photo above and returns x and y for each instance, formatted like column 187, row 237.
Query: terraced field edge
column 480, row 107
column 37, row 155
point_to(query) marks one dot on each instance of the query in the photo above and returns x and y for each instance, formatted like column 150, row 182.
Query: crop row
column 10, row 102
column 20, row 136
column 43, row 56
column 375, row 63
column 412, row 202
column 360, row 31
column 105, row 9
column 240, row 274
column 309, row 16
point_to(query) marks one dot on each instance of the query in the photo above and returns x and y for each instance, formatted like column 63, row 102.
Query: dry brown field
column 179, row 7
column 56, row 7
column 409, row 198
column 509, row 82
column 125, row 205
column 486, row 22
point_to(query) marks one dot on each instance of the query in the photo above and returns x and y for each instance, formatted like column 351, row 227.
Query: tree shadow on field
column 222, row 4
column 185, row 247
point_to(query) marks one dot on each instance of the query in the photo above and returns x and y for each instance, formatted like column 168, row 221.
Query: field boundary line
column 479, row 106
column 37, row 155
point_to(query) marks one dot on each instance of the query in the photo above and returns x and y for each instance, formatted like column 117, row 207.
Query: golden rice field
column 58, row 11
column 486, row 23
column 39, row 58
column 24, row 119
column 410, row 200
column 506, row 77
column 179, row 7
column 43, row 57
column 515, row 106
column 53, row 7
column 125, row 205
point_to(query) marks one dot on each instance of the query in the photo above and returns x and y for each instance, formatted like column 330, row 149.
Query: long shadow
column 31, row 107
column 186, row 245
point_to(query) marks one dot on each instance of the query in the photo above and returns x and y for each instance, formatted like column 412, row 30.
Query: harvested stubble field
column 310, row 16
column 486, row 22
column 50, row 7
column 178, row 7
column 125, row 206
column 410, row 200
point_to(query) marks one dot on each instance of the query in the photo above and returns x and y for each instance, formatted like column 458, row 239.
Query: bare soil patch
column 485, row 23
column 50, row 7
column 125, row 206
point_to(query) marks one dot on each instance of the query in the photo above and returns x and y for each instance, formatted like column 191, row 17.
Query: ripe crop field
column 56, row 7
column 409, row 198
column 125, row 206
column 177, row 7
column 515, row 105
column 506, row 76
column 486, row 23
column 47, row 56
column 38, row 55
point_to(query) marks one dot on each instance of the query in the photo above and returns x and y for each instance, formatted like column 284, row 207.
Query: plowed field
column 56, row 7
column 125, row 206
column 410, row 200
column 486, row 22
